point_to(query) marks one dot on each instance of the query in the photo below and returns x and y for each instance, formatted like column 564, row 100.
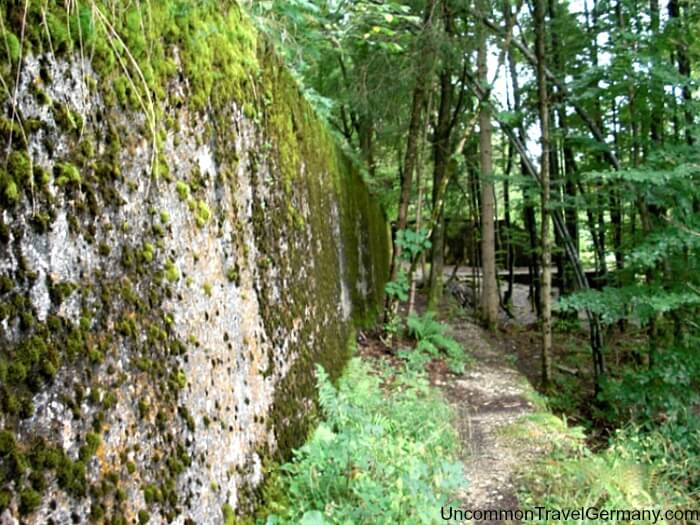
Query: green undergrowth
column 385, row 452
column 652, row 459
column 639, row 469
column 433, row 342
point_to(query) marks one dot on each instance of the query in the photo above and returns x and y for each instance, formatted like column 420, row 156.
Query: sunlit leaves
column 399, row 287
column 637, row 302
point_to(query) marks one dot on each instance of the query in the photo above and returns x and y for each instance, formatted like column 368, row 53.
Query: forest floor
column 496, row 392
column 491, row 396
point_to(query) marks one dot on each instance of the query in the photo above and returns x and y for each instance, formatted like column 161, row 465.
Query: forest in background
column 552, row 137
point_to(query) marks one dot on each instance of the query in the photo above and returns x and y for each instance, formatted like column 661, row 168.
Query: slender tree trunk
column 600, row 203
column 531, row 227
column 409, row 165
column 510, row 251
column 366, row 133
column 684, row 69
column 470, row 153
column 601, row 206
column 598, row 251
column 442, row 153
column 410, row 158
column 650, row 213
column 581, row 279
column 684, row 65
column 528, row 208
column 616, row 212
column 558, row 162
column 657, row 94
column 419, row 218
column 571, row 209
column 419, row 204
column 556, row 199
column 545, row 179
column 489, row 288
column 442, row 156
column 616, row 219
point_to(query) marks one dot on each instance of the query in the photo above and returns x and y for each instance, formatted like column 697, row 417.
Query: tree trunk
column 544, row 176
column 657, row 88
column 419, row 204
column 531, row 227
column 470, row 153
column 489, row 288
column 571, row 209
column 649, row 214
column 601, row 206
column 683, row 59
column 366, row 133
column 581, row 279
column 510, row 251
column 528, row 207
column 409, row 166
column 442, row 156
column 409, row 163
column 558, row 174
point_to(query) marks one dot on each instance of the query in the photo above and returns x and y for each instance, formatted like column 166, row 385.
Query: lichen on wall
column 181, row 241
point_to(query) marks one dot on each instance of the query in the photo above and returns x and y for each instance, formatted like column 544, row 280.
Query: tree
column 489, row 289
column 543, row 98
column 420, row 93
column 441, row 153
column 614, row 104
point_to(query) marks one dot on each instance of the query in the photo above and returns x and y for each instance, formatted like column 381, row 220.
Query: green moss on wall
column 229, row 71
column 329, row 184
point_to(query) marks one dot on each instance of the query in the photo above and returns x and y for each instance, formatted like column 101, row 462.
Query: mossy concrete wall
column 176, row 255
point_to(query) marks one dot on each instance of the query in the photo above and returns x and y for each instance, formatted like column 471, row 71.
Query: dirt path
column 492, row 394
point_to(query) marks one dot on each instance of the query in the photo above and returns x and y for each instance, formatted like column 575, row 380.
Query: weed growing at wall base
column 382, row 455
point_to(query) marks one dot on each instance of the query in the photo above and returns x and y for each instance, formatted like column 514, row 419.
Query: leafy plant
column 399, row 287
column 432, row 341
column 636, row 302
column 381, row 455
column 653, row 461
column 412, row 243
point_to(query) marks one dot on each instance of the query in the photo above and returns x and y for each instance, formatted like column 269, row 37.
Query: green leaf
column 313, row 517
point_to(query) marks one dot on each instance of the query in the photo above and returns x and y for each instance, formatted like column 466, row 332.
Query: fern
column 424, row 327
column 432, row 341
